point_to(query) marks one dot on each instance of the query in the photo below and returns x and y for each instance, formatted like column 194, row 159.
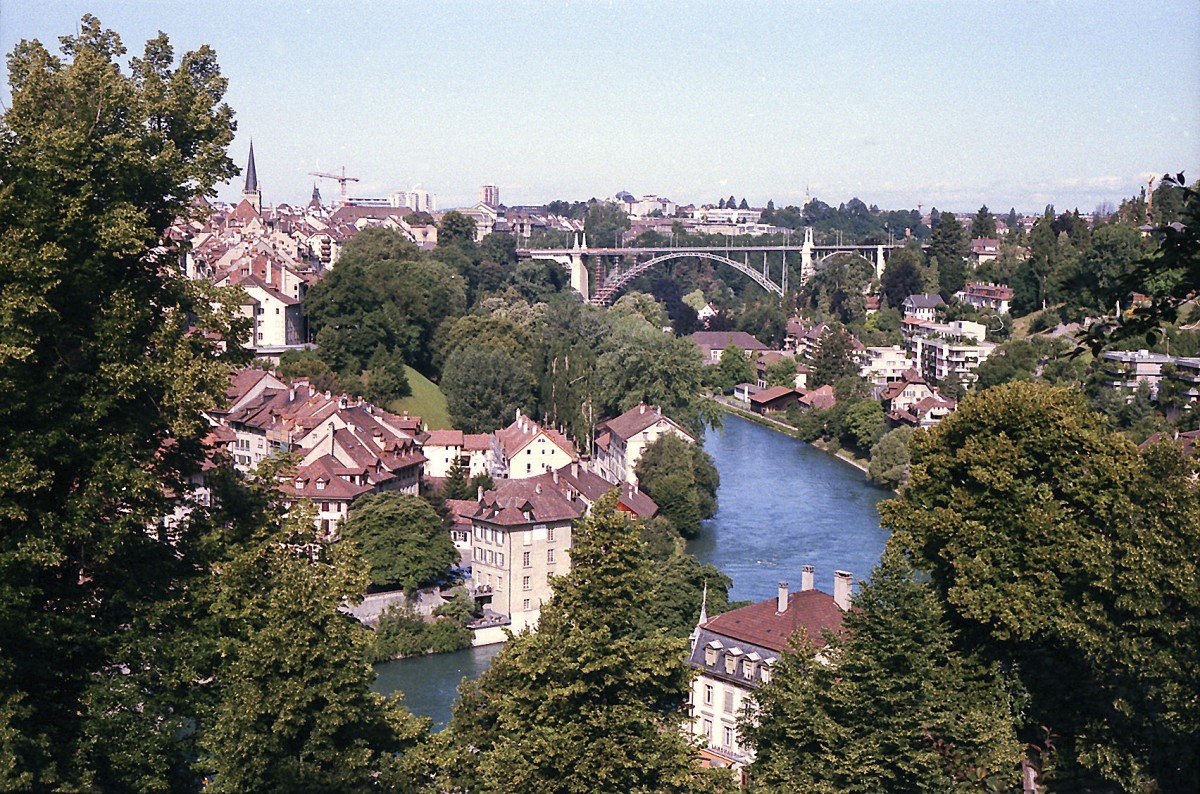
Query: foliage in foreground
column 1065, row 553
column 889, row 691
column 592, row 701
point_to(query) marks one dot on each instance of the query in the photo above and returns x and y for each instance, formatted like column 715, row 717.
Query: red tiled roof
column 634, row 421
column 761, row 624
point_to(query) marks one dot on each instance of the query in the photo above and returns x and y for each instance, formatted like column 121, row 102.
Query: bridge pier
column 879, row 262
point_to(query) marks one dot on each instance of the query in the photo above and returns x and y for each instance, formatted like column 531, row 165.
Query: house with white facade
column 526, row 449
column 620, row 442
column 886, row 364
column 981, row 295
column 736, row 652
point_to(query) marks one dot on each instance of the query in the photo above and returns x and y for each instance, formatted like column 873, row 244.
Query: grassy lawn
column 426, row 401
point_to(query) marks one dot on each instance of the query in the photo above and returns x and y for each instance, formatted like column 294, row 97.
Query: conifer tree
column 591, row 703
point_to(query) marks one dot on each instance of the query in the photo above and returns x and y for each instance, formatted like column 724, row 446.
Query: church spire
column 251, row 173
column 250, row 191
column 703, row 616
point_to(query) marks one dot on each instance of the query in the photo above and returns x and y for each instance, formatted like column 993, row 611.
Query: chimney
column 843, row 584
column 537, row 488
column 641, row 408
column 575, row 468
column 806, row 577
column 554, row 476
column 781, row 604
column 479, row 494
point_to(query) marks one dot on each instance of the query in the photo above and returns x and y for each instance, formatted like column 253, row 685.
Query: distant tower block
column 251, row 191
column 490, row 195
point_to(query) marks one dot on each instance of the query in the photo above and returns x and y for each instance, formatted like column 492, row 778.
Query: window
column 525, row 585
column 729, row 701
column 525, row 604
column 550, row 534
column 526, row 560
column 708, row 694
column 729, row 736
column 748, row 669
column 549, row 556
column 324, row 507
column 491, row 557
column 500, row 558
column 708, row 729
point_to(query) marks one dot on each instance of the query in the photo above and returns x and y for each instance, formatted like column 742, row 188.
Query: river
column 783, row 504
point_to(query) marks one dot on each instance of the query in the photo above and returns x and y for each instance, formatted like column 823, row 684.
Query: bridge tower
column 579, row 271
column 807, row 267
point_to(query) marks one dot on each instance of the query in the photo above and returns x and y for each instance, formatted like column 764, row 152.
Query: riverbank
column 735, row 407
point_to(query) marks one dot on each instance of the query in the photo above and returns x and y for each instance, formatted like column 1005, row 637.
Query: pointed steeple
column 250, row 191
column 251, row 173
column 695, row 635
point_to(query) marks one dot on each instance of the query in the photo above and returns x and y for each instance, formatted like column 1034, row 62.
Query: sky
column 946, row 104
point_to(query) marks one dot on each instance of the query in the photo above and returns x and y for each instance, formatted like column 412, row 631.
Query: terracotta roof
column 444, row 438
column 318, row 481
column 517, row 502
column 762, row 625
column 723, row 339
column 822, row 398
column 635, row 420
column 773, row 393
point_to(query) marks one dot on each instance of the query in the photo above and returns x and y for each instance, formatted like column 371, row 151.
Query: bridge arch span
column 617, row 281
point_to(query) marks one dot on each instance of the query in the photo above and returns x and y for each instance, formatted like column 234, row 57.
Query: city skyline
column 946, row 105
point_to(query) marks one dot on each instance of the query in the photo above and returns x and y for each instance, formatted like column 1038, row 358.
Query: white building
column 736, row 652
column 620, row 442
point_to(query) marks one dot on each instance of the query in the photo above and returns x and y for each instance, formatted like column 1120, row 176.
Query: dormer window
column 321, row 484
column 710, row 653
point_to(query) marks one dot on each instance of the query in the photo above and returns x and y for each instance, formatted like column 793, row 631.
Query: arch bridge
column 615, row 268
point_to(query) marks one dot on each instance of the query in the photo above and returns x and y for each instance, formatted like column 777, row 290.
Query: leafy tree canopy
column 402, row 539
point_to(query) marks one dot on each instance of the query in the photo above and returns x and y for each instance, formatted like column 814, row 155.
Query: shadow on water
column 783, row 504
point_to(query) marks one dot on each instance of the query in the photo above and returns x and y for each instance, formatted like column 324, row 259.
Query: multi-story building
column 526, row 449
column 620, row 442
column 1129, row 369
column 520, row 541
column 945, row 350
column 986, row 296
column 490, row 195
column 736, row 652
column 886, row 364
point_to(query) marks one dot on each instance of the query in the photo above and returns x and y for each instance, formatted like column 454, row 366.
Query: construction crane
column 341, row 179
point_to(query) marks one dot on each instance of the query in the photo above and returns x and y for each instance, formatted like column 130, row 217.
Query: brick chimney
column 806, row 577
column 843, row 585
column 781, row 602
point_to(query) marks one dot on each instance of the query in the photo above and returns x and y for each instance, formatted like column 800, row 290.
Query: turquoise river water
column 783, row 504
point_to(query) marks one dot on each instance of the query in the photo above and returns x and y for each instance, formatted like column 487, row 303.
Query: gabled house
column 736, row 652
column 525, row 449
column 776, row 398
column 713, row 343
column 923, row 306
column 901, row 394
column 520, row 540
column 621, row 441
column 445, row 448
column 996, row 297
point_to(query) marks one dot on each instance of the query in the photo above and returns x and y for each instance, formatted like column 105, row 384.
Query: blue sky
column 945, row 104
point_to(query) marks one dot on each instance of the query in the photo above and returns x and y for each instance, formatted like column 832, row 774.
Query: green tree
column 782, row 372
column 591, row 703
column 983, row 224
column 867, row 717
column 1063, row 551
column 402, row 539
column 641, row 364
column 382, row 293
column 133, row 646
column 902, row 276
column 682, row 479
column 734, row 368
column 604, row 221
column 104, row 385
column 834, row 359
column 865, row 423
column 293, row 710
column 456, row 229
column 387, row 379
column 948, row 244
column 889, row 458
column 484, row 387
